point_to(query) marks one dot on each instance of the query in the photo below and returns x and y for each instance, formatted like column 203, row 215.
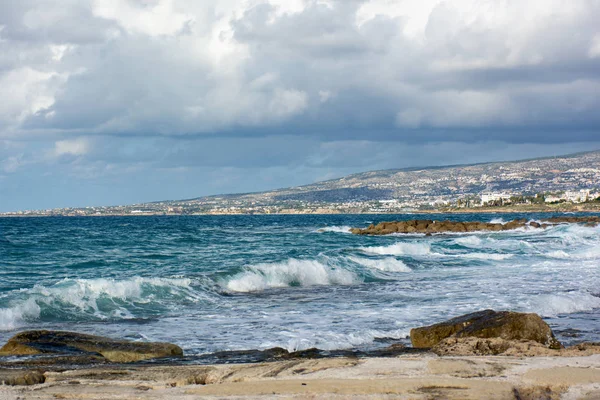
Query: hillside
column 391, row 190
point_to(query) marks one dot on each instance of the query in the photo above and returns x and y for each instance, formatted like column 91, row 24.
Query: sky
column 106, row 102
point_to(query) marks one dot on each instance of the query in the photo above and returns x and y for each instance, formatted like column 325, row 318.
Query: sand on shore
column 411, row 377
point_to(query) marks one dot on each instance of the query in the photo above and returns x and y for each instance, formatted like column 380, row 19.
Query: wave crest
column 292, row 272
column 388, row 264
column 96, row 299
column 399, row 249
column 552, row 305
column 336, row 229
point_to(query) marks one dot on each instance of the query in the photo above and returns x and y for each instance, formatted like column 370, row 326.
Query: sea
column 229, row 283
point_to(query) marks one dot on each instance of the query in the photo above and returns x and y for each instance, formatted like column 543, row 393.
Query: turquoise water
column 211, row 283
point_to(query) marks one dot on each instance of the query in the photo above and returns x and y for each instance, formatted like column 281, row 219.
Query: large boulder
column 487, row 324
column 75, row 344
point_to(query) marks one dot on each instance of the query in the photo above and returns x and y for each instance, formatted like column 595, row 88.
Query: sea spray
column 200, row 281
column 291, row 272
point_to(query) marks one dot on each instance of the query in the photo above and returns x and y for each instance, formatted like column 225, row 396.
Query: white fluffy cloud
column 173, row 67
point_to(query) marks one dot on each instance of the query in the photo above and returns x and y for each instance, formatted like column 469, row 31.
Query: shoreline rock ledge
column 88, row 348
column 428, row 226
column 503, row 327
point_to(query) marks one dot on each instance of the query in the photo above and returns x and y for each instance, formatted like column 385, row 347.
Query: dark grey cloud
column 286, row 91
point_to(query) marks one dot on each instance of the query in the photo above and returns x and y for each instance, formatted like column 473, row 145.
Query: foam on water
column 96, row 298
column 400, row 248
column 388, row 264
column 485, row 256
column 15, row 317
column 552, row 305
column 336, row 290
column 468, row 241
column 292, row 272
column 336, row 229
column 335, row 341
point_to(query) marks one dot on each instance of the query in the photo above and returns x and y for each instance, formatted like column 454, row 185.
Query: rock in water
column 71, row 343
column 487, row 324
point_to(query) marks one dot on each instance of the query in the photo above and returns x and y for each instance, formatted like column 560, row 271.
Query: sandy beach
column 424, row 376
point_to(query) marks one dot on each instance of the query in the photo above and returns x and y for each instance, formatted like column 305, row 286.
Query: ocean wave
column 14, row 317
column 96, row 299
column 552, row 305
column 589, row 253
column 399, row 249
column 335, row 341
column 336, row 229
column 292, row 272
column 388, row 264
column 485, row 256
column 469, row 241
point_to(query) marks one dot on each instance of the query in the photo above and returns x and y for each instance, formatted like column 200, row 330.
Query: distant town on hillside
column 544, row 182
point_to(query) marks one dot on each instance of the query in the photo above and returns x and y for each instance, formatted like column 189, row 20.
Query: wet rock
column 431, row 226
column 14, row 377
column 71, row 344
column 487, row 324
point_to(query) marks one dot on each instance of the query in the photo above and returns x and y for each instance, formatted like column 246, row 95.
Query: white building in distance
column 492, row 197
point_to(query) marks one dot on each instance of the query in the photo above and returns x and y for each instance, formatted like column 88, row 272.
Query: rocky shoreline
column 454, row 359
column 429, row 227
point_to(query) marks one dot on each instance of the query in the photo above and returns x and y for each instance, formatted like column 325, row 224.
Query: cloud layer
column 101, row 87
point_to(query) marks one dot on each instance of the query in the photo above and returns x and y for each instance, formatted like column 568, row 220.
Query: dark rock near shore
column 430, row 226
column 78, row 347
column 487, row 324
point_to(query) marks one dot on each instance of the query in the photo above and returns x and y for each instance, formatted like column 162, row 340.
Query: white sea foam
column 497, row 221
column 469, row 241
column 401, row 248
column 292, row 272
column 588, row 253
column 558, row 254
column 336, row 229
column 14, row 317
column 96, row 297
column 552, row 305
column 485, row 256
column 388, row 264
column 335, row 341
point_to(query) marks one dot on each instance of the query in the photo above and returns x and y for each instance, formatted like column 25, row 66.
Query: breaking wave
column 333, row 341
column 469, row 241
column 486, row 256
column 292, row 272
column 336, row 229
column 399, row 249
column 388, row 264
column 97, row 299
column 551, row 305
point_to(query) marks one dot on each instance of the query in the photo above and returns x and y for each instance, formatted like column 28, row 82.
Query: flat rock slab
column 13, row 377
column 74, row 345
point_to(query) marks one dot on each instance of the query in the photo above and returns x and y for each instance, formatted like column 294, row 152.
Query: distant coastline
column 592, row 207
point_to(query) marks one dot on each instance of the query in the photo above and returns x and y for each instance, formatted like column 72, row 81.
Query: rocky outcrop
column 470, row 346
column 487, row 324
column 430, row 226
column 89, row 348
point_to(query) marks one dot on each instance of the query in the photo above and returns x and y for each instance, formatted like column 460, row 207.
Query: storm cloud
column 264, row 93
